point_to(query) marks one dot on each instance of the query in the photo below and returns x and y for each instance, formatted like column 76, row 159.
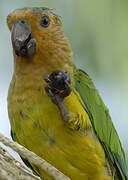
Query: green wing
column 102, row 123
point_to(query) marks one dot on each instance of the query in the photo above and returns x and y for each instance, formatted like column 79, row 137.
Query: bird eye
column 45, row 21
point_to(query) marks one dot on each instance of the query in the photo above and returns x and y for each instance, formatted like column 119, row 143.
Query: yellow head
column 38, row 37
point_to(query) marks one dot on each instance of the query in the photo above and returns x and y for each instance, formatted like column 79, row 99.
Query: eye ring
column 45, row 21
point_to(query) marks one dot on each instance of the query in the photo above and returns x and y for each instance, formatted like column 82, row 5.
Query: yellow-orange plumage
column 35, row 120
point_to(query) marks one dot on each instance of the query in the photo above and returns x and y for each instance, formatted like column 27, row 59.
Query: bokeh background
column 98, row 32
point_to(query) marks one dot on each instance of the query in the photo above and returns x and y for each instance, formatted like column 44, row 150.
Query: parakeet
column 54, row 108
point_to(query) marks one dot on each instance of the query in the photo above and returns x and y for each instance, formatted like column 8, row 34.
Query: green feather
column 102, row 123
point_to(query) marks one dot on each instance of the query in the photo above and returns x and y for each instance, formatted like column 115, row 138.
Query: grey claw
column 57, row 89
column 46, row 78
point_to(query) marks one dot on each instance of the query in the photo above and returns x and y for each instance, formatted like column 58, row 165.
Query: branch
column 16, row 168
column 11, row 169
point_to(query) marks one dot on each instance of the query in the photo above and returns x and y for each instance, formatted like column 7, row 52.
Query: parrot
column 54, row 108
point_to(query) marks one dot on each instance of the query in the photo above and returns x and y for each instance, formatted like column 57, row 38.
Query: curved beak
column 23, row 43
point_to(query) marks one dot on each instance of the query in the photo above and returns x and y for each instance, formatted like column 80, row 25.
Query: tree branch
column 11, row 169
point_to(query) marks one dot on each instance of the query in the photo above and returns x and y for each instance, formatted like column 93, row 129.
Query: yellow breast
column 37, row 124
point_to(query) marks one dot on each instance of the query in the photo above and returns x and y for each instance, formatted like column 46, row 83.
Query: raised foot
column 58, row 87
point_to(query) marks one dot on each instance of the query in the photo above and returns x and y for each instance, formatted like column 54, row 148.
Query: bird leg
column 58, row 87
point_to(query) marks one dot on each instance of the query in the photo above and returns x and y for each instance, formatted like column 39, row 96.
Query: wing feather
column 102, row 123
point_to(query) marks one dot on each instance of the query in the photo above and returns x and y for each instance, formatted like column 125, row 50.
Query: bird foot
column 58, row 87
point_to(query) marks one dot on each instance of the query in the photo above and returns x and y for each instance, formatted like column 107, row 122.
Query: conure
column 54, row 108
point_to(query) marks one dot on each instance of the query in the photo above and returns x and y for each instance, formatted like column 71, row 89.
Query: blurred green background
column 98, row 32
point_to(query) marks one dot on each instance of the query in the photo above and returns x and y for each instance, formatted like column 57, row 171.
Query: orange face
column 35, row 19
column 36, row 32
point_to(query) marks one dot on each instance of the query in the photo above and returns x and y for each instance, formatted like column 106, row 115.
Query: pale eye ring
column 45, row 21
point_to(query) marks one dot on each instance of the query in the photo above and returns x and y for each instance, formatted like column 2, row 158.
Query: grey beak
column 23, row 43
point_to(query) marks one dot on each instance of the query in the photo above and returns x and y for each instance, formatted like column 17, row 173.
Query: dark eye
column 45, row 21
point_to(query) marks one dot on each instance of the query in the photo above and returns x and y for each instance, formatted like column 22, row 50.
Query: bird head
column 37, row 36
